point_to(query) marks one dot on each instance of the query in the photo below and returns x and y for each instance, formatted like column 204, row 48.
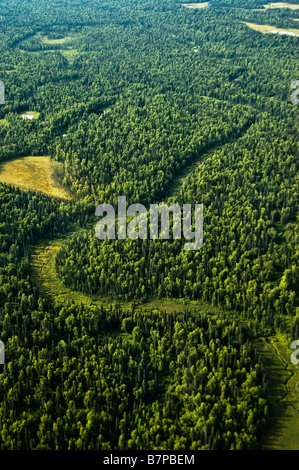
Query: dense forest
column 160, row 103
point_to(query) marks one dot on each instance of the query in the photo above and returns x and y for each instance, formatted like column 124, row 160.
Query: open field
column 263, row 28
column 283, row 376
column 197, row 6
column 34, row 173
column 292, row 6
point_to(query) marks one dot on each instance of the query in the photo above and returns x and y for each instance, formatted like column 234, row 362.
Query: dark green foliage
column 248, row 259
column 129, row 380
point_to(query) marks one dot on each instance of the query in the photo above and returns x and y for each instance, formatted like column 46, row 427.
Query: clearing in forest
column 43, row 264
column 30, row 115
column 292, row 6
column 196, row 5
column 264, row 28
column 52, row 40
column 46, row 40
column 35, row 174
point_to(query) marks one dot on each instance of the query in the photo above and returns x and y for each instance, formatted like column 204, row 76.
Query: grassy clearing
column 11, row 70
column 180, row 305
column 30, row 115
column 34, row 173
column 43, row 264
column 46, row 40
column 292, row 6
column 264, row 28
column 197, row 6
column 282, row 433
